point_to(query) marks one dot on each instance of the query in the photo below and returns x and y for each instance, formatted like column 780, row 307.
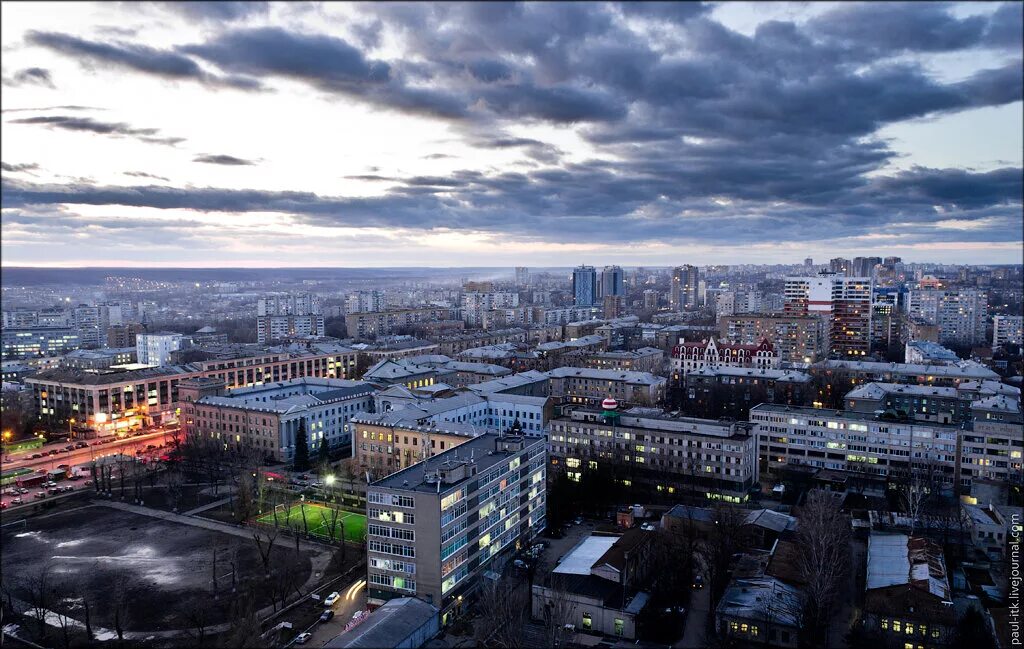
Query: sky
column 488, row 134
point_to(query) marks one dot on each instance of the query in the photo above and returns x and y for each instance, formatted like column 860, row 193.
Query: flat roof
column 606, row 375
column 582, row 557
column 482, row 449
column 827, row 413
column 388, row 626
column 965, row 369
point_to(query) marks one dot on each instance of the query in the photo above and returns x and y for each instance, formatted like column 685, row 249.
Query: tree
column 264, row 548
column 301, row 462
column 502, row 613
column 118, row 602
column 37, row 587
column 558, row 612
column 323, row 455
column 916, row 488
column 823, row 560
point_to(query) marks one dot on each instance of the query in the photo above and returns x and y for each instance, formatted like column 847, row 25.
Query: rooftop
column 746, row 598
column 878, row 390
column 963, row 369
column 827, row 413
column 510, row 382
column 388, row 626
column 664, row 422
column 85, row 377
column 626, row 376
column 728, row 370
column 897, row 559
column 481, row 451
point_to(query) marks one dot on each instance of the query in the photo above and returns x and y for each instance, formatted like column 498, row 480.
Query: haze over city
column 271, row 135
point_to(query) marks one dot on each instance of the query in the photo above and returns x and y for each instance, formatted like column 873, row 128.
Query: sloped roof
column 896, row 559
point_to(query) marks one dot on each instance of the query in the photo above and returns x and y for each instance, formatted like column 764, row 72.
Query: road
column 95, row 450
column 695, row 630
column 353, row 598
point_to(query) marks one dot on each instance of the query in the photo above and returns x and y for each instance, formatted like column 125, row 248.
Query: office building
column 645, row 359
column 156, row 348
column 1007, row 329
column 917, row 402
column 267, row 417
column 843, row 304
column 713, row 458
column 612, row 282
column 684, row 291
column 808, row 262
column 886, row 317
column 959, row 314
column 386, row 442
column 38, row 342
column 737, row 302
column 434, row 528
column 796, row 339
column 584, row 286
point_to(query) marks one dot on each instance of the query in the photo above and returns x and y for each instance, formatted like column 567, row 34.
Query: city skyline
column 233, row 135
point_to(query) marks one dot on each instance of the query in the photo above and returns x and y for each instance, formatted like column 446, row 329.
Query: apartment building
column 946, row 405
column 992, row 449
column 645, row 359
column 156, row 348
column 797, row 339
column 928, row 352
column 386, row 442
column 434, row 528
column 684, row 291
column 714, row 392
column 281, row 327
column 1007, row 329
column 458, row 343
column 717, row 459
column 99, row 359
column 842, row 303
column 851, row 373
column 959, row 314
column 369, row 325
column 583, row 385
column 475, row 304
column 38, row 342
column 267, row 417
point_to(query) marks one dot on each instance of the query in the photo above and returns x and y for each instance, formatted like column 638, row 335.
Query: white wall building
column 156, row 348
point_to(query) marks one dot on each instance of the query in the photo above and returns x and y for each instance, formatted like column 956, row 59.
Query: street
column 95, row 450
column 353, row 598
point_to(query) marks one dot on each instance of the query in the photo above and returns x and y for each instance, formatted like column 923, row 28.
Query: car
column 519, row 563
column 3, row 505
column 66, row 488
column 62, row 466
column 69, row 447
column 40, row 470
column 97, row 443
column 578, row 520
column 53, row 452
column 40, row 494
column 36, row 456
column 303, row 638
column 17, row 501
column 88, row 483
column 698, row 582
column 23, row 491
column 53, row 491
column 326, row 615
column 150, row 447
column 82, row 445
column 51, row 483
column 331, row 599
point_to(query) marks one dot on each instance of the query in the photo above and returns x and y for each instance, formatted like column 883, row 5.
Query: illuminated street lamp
column 329, row 480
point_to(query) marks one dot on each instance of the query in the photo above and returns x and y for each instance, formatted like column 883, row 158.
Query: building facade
column 798, row 339
column 692, row 356
column 156, row 348
column 1007, row 329
column 584, row 286
column 842, row 303
column 684, row 290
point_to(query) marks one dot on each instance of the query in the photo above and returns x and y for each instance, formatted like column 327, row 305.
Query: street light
column 329, row 480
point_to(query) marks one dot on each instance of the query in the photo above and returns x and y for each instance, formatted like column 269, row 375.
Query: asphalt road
column 128, row 446
column 353, row 598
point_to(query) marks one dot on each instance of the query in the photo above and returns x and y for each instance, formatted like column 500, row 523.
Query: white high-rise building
column 288, row 304
column 475, row 304
column 156, row 348
column 1006, row 329
column 843, row 305
column 959, row 314
column 365, row 302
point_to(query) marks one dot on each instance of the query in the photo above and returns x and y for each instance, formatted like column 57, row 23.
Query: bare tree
column 37, row 586
column 265, row 548
column 197, row 620
column 174, row 481
column 503, row 612
column 823, row 559
column 557, row 613
column 244, row 625
column 118, row 602
column 915, row 489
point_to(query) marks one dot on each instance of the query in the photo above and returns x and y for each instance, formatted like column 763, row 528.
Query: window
column 588, row 622
column 619, row 625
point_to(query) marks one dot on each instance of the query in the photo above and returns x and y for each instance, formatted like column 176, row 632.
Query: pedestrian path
column 203, row 508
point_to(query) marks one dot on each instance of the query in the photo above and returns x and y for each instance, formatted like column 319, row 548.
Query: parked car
column 698, row 582
column 69, row 447
column 17, row 501
column 326, row 615
column 578, row 520
column 88, row 483
column 331, row 599
column 66, row 488
column 303, row 638
column 82, row 445
column 62, row 466
column 3, row 505
column 23, row 491
column 40, row 494
column 36, row 456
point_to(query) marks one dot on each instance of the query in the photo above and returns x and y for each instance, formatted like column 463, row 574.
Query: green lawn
column 318, row 521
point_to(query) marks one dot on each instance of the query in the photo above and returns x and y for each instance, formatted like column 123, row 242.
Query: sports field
column 318, row 520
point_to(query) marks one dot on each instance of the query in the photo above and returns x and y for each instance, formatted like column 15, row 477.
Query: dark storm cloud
column 143, row 174
column 17, row 168
column 218, row 12
column 140, row 58
column 222, row 159
column 698, row 132
column 31, row 76
column 90, row 125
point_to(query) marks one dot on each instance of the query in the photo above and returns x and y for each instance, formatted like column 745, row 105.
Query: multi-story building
column 992, row 450
column 717, row 459
column 271, row 328
column 886, row 317
column 1007, row 329
column 865, row 266
column 918, row 402
column 435, row 527
column 365, row 302
column 684, row 291
column 267, row 417
column 650, row 300
column 738, row 302
column 724, row 391
column 959, row 314
column 287, row 304
column 386, row 442
column 840, row 266
column 795, row 338
column 38, row 342
column 522, row 276
column 929, row 353
column 99, row 359
column 687, row 357
column 117, row 400
column 612, row 283
column 456, row 344
column 386, row 323
column 851, row 373
column 156, row 348
column 842, row 303
column 477, row 303
column 589, row 386
column 645, row 359
column 91, row 323
column 124, row 335
column 584, row 286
